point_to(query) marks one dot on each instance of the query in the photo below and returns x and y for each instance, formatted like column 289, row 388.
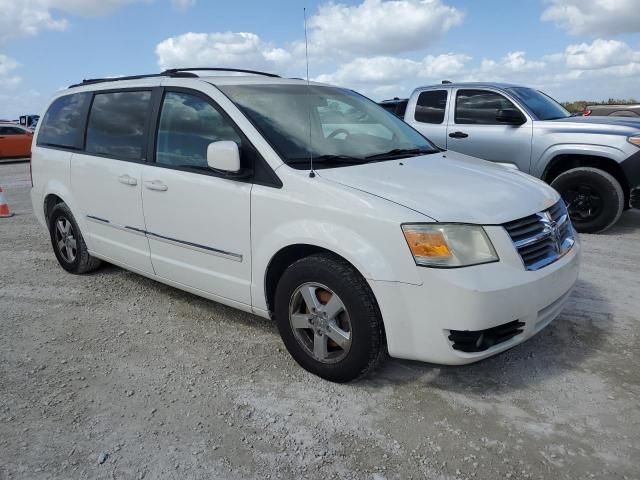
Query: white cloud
column 512, row 62
column 8, row 78
column 595, row 17
column 600, row 54
column 378, row 27
column 606, row 66
column 28, row 17
column 384, row 75
column 228, row 49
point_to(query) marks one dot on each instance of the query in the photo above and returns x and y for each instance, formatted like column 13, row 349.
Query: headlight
column 448, row 245
column 635, row 140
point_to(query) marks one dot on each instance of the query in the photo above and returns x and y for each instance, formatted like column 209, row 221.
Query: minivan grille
column 542, row 238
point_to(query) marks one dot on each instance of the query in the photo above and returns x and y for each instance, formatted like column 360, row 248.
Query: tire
column 595, row 199
column 63, row 229
column 330, row 275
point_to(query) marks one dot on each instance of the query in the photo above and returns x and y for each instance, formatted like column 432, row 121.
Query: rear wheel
column 595, row 199
column 328, row 318
column 68, row 244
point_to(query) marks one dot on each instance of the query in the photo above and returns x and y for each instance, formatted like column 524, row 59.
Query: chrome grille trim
column 542, row 238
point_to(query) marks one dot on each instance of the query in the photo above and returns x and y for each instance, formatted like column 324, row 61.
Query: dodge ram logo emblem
column 551, row 228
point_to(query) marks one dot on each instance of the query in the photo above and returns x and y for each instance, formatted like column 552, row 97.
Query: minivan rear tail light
column 586, row 113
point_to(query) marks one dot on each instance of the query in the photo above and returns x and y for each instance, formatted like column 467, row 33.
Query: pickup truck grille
column 542, row 238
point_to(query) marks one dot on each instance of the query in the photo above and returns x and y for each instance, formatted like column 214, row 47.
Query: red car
column 15, row 141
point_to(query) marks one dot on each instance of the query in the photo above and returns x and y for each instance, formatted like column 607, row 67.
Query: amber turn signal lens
column 427, row 244
column 635, row 140
column 447, row 245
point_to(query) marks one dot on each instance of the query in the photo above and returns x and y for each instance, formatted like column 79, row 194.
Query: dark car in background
column 396, row 105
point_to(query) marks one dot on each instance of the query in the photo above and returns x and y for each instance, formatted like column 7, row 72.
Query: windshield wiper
column 399, row 153
column 329, row 159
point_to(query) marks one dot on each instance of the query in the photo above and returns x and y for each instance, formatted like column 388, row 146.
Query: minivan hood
column 450, row 187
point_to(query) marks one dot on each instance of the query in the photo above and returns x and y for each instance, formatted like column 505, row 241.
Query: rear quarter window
column 63, row 124
column 430, row 107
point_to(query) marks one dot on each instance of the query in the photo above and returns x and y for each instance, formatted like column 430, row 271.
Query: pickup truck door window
column 474, row 130
column 198, row 222
column 430, row 107
column 106, row 176
column 429, row 116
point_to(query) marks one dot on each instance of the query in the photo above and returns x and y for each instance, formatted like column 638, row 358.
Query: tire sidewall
column 606, row 185
column 58, row 212
column 364, row 340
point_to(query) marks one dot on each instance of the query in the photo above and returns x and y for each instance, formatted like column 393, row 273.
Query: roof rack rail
column 173, row 71
column 91, row 81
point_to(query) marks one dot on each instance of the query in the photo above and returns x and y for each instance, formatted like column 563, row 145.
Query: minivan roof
column 212, row 79
column 223, row 76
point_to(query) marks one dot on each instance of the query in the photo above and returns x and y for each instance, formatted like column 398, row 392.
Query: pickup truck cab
column 305, row 203
column 593, row 162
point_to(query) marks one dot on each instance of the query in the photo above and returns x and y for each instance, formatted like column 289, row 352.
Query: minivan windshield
column 337, row 127
column 541, row 105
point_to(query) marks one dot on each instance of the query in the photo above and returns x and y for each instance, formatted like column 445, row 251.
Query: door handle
column 458, row 135
column 127, row 180
column 156, row 185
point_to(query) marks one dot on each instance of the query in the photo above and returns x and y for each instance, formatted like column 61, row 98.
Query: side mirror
column 510, row 116
column 224, row 156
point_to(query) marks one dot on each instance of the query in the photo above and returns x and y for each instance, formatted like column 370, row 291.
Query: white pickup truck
column 593, row 162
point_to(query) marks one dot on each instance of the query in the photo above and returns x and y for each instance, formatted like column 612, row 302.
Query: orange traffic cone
column 4, row 206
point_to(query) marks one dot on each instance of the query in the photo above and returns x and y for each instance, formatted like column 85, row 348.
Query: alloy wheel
column 583, row 202
column 320, row 322
column 65, row 240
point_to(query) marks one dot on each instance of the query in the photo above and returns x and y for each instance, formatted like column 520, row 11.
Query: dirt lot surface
column 112, row 375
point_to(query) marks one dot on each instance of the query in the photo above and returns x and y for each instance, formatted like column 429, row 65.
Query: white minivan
column 305, row 203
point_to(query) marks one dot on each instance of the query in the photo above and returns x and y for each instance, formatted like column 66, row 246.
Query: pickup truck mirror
column 224, row 156
column 510, row 116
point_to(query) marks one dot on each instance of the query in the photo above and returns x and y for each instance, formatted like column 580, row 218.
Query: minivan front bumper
column 419, row 319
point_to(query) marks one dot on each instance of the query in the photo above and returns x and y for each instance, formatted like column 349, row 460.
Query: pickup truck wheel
column 68, row 243
column 328, row 318
column 594, row 198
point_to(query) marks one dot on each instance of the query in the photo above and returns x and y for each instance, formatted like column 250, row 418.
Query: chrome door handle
column 156, row 185
column 127, row 180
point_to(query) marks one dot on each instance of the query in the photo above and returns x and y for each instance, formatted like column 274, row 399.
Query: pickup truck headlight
column 448, row 245
column 635, row 140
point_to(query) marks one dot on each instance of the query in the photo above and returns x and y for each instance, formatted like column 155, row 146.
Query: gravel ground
column 111, row 375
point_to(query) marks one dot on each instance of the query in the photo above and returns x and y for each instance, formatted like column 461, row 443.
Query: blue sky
column 570, row 48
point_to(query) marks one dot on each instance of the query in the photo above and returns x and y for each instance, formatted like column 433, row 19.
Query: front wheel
column 328, row 318
column 595, row 199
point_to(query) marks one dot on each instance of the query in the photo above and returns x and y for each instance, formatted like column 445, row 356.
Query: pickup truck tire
column 595, row 199
column 67, row 242
column 337, row 347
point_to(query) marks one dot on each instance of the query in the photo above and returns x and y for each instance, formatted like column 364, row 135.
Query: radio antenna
column 306, row 55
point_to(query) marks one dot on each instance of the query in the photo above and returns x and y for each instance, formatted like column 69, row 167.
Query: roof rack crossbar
column 174, row 71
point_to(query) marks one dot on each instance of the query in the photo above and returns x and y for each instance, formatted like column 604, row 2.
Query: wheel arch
column 286, row 256
column 566, row 161
column 50, row 201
